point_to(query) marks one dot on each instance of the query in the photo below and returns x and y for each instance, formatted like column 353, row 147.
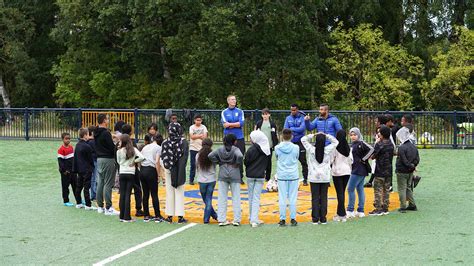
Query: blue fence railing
column 433, row 129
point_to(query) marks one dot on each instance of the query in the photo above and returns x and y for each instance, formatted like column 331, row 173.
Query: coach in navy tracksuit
column 295, row 122
column 232, row 118
column 325, row 123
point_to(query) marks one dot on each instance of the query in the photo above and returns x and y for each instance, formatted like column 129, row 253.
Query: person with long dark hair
column 149, row 174
column 206, row 176
column 319, row 173
column 341, row 171
column 175, row 152
column 229, row 159
column 127, row 157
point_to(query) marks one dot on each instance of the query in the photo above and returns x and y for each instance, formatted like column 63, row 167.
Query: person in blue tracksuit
column 233, row 120
column 326, row 122
column 295, row 122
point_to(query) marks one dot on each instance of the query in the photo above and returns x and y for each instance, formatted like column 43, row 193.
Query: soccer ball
column 272, row 185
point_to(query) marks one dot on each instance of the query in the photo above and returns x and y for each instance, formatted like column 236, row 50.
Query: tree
column 370, row 74
column 452, row 87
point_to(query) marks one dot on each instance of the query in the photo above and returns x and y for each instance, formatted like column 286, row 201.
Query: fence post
column 27, row 126
column 135, row 124
column 455, row 126
column 79, row 120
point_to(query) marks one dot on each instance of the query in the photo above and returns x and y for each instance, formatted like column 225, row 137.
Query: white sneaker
column 260, row 222
column 79, row 206
column 350, row 215
column 100, row 210
column 254, row 225
column 360, row 214
column 343, row 219
column 91, row 208
column 111, row 211
column 224, row 223
column 336, row 218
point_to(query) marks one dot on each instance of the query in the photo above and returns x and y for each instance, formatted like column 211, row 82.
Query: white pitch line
column 142, row 245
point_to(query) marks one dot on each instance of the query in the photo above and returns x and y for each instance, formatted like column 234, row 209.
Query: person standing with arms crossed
column 295, row 123
column 232, row 118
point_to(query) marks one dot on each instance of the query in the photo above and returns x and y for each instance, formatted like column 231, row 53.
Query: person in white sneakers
column 361, row 152
column 127, row 157
column 318, row 157
column 341, row 171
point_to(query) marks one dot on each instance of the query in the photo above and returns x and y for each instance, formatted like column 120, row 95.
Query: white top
column 150, row 152
column 127, row 166
column 319, row 172
column 196, row 144
column 341, row 165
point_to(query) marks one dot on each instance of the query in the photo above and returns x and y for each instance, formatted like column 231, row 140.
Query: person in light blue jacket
column 287, row 155
column 325, row 123
column 295, row 122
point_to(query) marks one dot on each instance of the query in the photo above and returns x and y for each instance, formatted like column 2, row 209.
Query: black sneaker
column 402, row 210
column 375, row 213
column 146, row 219
column 169, row 219
column 191, row 183
column 305, row 183
column 368, row 184
column 242, row 182
column 139, row 213
column 391, row 189
column 294, row 222
column 315, row 221
column 412, row 208
column 158, row 219
column 181, row 220
column 282, row 223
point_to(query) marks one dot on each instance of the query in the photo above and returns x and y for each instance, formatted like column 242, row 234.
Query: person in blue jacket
column 232, row 118
column 326, row 122
column 295, row 122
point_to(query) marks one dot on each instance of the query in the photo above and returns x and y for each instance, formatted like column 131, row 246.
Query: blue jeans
column 93, row 182
column 192, row 171
column 356, row 182
column 254, row 187
column 206, row 190
column 287, row 189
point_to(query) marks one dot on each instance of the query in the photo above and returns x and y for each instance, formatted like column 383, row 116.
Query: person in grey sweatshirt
column 229, row 158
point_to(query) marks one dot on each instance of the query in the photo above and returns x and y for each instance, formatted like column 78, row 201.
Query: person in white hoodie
column 319, row 173
column 341, row 171
column 127, row 157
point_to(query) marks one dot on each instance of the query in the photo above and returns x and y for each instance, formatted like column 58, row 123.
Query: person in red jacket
column 65, row 162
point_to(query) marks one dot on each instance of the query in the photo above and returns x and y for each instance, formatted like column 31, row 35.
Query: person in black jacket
column 269, row 128
column 407, row 160
column 83, row 166
column 383, row 153
column 105, row 150
column 256, row 160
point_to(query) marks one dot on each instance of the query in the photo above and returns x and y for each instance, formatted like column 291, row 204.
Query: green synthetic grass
column 36, row 229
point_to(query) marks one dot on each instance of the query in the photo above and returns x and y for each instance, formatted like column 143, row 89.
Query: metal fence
column 447, row 129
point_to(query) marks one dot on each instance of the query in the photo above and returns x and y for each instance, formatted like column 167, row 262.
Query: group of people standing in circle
column 99, row 153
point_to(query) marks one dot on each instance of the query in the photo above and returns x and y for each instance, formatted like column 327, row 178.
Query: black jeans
column 302, row 159
column 66, row 181
column 192, row 170
column 319, row 201
column 83, row 182
column 149, row 179
column 126, row 184
column 137, row 190
column 268, row 171
column 340, row 183
column 241, row 145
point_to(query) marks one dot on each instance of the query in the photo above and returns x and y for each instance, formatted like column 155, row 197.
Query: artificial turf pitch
column 36, row 229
